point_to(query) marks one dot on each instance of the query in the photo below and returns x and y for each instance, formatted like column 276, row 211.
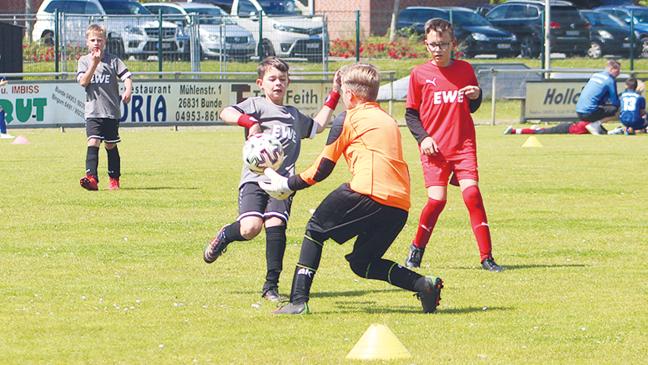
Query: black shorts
column 105, row 129
column 561, row 128
column 602, row 111
column 254, row 201
column 345, row 214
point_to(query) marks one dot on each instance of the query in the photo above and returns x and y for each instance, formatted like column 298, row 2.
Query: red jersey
column 444, row 110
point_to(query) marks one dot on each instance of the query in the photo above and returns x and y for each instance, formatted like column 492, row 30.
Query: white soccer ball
column 262, row 151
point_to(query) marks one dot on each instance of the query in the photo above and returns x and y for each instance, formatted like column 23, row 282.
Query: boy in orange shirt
column 373, row 206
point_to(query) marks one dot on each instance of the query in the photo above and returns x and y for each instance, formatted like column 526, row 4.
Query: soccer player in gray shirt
column 267, row 114
column 99, row 73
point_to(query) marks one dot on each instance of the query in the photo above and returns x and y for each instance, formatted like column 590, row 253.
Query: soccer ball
column 262, row 151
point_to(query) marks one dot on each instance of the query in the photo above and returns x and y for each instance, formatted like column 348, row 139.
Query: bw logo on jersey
column 101, row 79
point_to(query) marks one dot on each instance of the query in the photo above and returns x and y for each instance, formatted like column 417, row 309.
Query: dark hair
column 439, row 25
column 273, row 62
column 631, row 83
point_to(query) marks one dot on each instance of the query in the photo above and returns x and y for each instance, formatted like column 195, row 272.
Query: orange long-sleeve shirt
column 370, row 141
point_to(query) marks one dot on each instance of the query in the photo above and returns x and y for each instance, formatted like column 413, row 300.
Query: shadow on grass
column 159, row 188
column 372, row 308
column 523, row 267
column 333, row 294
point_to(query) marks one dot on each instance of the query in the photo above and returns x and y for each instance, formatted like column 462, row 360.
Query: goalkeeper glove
column 278, row 185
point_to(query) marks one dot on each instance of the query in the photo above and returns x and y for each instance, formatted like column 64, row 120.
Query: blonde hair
column 96, row 28
column 272, row 62
column 362, row 79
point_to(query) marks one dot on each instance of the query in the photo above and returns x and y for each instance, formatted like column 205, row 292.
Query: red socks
column 427, row 221
column 473, row 199
column 523, row 131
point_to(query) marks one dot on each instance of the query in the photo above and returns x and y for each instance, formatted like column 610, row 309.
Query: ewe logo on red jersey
column 448, row 97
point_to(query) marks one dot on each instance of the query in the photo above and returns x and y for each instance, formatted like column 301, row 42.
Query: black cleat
column 216, row 247
column 431, row 296
column 271, row 295
column 415, row 256
column 292, row 308
column 490, row 265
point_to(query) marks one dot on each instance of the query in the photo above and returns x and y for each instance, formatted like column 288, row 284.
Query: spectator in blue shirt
column 633, row 108
column 598, row 101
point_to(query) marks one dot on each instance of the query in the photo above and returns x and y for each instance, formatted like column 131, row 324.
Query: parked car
column 636, row 14
column 475, row 35
column 219, row 34
column 132, row 30
column 609, row 35
column 286, row 31
column 568, row 33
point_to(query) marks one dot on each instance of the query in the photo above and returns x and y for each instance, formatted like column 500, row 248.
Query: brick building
column 18, row 6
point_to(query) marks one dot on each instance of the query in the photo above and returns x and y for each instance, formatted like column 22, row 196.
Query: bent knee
column 251, row 227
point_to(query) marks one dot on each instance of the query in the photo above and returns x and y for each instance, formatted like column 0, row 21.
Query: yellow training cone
column 378, row 343
column 532, row 142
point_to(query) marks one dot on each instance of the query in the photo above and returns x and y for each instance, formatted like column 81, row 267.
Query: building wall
column 17, row 6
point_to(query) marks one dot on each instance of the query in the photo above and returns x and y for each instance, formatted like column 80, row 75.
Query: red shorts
column 437, row 168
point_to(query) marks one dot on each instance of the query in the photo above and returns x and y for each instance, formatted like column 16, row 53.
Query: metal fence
column 194, row 41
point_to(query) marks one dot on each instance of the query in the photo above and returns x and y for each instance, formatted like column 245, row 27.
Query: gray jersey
column 102, row 94
column 285, row 123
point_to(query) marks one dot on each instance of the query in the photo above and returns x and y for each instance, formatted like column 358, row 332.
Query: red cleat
column 89, row 182
column 113, row 183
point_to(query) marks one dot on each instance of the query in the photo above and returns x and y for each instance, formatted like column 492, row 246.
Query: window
column 498, row 13
column 531, row 12
column 246, row 8
column 517, row 11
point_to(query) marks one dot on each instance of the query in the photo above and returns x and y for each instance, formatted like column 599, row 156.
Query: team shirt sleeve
column 82, row 67
column 337, row 142
column 642, row 105
column 310, row 127
column 122, row 70
column 414, row 92
column 248, row 107
column 614, row 95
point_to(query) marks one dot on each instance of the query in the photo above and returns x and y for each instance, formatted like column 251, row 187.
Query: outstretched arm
column 324, row 116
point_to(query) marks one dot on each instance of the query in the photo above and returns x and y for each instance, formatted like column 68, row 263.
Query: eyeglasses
column 441, row 45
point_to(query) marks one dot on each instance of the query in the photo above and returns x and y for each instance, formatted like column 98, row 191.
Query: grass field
column 117, row 277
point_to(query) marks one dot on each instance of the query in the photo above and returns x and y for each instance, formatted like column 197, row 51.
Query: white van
column 132, row 29
column 286, row 31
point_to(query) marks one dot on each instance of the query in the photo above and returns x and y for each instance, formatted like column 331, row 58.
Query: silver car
column 219, row 34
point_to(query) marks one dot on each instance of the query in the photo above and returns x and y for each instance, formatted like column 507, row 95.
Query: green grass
column 117, row 277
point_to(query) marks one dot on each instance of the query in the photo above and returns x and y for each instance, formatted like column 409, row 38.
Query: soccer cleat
column 292, row 308
column 490, row 265
column 271, row 295
column 431, row 296
column 415, row 256
column 216, row 247
column 113, row 183
column 89, row 182
column 595, row 128
column 509, row 130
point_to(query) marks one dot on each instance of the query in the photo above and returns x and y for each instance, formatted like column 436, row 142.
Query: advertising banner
column 554, row 100
column 154, row 102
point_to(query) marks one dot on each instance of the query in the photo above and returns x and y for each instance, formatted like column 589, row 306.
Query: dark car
column 475, row 35
column 609, row 35
column 569, row 31
column 638, row 15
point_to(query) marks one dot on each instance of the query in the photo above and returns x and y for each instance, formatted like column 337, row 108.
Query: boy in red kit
column 442, row 94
